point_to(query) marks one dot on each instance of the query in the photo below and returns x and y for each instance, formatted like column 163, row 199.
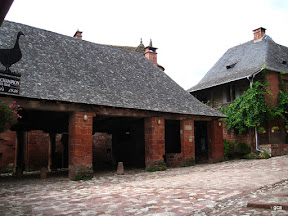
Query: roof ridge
column 244, row 60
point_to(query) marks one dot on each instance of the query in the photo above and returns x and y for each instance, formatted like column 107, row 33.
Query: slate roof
column 243, row 61
column 61, row 68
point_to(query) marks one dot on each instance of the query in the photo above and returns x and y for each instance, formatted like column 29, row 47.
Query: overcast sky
column 190, row 35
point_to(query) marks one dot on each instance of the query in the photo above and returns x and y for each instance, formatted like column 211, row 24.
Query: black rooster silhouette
column 9, row 57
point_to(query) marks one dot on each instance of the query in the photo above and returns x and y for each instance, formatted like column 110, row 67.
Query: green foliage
column 248, row 111
column 155, row 169
column 229, row 149
column 261, row 129
column 253, row 155
column 243, row 148
column 8, row 115
column 275, row 128
column 210, row 103
column 250, row 155
column 152, row 169
column 235, row 150
column 83, row 177
column 264, row 155
column 188, row 164
column 281, row 111
column 164, row 168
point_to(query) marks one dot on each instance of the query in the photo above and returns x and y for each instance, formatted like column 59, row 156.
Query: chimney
column 150, row 53
column 259, row 33
column 78, row 35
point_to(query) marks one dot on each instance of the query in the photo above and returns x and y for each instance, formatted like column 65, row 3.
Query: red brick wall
column 7, row 148
column 174, row 159
column 273, row 83
column 80, row 144
column 232, row 137
column 215, row 141
column 154, row 142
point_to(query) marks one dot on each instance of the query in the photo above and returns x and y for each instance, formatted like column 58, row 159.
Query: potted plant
column 261, row 130
column 274, row 129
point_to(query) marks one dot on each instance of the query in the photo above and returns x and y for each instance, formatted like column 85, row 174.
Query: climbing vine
column 250, row 110
column 281, row 110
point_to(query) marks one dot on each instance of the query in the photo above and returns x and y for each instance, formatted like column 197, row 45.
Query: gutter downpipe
column 256, row 131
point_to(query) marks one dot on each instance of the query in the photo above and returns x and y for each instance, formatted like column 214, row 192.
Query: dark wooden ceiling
column 4, row 8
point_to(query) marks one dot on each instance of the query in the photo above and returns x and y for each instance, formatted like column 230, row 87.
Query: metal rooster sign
column 10, row 81
column 9, row 57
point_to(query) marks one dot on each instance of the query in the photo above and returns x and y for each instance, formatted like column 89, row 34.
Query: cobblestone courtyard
column 207, row 189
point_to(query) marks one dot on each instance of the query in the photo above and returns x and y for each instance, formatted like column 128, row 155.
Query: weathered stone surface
column 207, row 189
column 120, row 168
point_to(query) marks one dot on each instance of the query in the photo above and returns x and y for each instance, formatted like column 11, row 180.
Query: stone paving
column 207, row 189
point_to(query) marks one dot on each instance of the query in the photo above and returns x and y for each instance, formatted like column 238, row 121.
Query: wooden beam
column 4, row 8
column 56, row 106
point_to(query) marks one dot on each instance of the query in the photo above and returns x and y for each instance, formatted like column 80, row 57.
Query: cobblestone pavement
column 207, row 189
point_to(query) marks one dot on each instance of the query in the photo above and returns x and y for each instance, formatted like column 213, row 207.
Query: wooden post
column 15, row 156
column 52, row 148
column 49, row 156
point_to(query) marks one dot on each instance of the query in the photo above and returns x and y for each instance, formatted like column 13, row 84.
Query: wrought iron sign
column 10, row 81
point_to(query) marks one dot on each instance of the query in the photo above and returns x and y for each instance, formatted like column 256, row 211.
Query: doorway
column 201, row 142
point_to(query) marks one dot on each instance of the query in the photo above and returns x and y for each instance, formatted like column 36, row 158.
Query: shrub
column 83, row 177
column 259, row 155
column 8, row 115
column 243, row 148
column 229, row 149
column 154, row 169
column 264, row 155
column 235, row 150
column 250, row 155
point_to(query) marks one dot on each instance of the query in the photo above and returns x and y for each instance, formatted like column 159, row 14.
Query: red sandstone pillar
column 80, row 144
column 215, row 141
column 154, row 142
column 187, row 141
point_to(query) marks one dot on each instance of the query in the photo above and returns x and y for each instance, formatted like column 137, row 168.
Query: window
column 230, row 93
column 230, row 66
column 285, row 85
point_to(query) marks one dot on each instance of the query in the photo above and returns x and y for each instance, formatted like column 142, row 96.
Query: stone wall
column 7, row 148
column 275, row 149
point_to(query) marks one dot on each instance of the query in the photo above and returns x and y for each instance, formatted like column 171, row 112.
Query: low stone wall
column 275, row 149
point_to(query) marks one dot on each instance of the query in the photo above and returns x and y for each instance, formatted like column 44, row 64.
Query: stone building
column 70, row 89
column 232, row 75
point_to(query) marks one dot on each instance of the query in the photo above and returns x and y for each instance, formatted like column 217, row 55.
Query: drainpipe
column 256, row 131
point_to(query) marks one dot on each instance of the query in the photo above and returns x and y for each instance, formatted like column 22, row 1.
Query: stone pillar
column 80, row 144
column 154, row 142
column 215, row 141
column 187, row 141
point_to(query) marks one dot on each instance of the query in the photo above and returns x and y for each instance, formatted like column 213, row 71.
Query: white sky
column 190, row 35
